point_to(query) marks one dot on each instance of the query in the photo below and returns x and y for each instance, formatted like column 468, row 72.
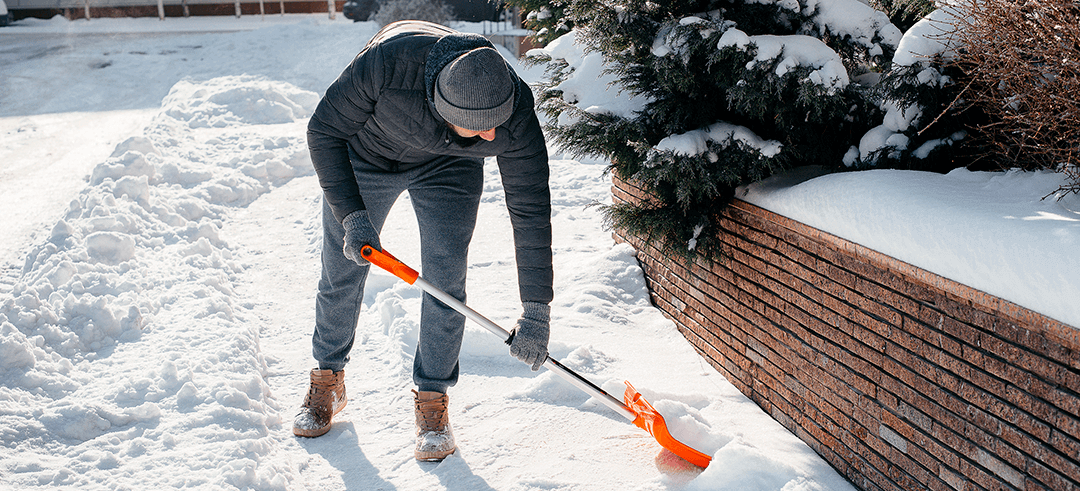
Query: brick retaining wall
column 899, row 378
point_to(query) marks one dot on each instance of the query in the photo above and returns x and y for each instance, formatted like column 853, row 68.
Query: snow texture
column 157, row 299
column 931, row 37
column 793, row 51
column 694, row 142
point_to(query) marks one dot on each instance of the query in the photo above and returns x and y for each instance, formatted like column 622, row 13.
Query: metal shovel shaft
column 636, row 409
column 397, row 268
column 551, row 364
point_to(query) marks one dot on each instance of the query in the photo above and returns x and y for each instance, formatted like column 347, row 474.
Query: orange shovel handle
column 390, row 263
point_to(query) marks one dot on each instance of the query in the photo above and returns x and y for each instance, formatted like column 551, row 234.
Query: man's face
column 488, row 135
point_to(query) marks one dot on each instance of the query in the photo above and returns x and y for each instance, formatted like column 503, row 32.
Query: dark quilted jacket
column 381, row 108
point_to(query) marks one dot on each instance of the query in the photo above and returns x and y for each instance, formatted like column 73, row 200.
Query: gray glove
column 358, row 232
column 529, row 341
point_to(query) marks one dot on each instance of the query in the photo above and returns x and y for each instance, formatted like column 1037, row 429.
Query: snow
column 864, row 24
column 160, row 267
column 846, row 18
column 930, row 36
column 589, row 87
column 992, row 231
column 156, row 301
column 694, row 142
column 792, row 51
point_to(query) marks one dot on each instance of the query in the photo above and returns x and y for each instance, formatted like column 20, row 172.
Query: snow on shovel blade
column 653, row 422
column 635, row 409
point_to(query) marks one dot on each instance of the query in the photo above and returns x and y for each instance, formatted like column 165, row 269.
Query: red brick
column 835, row 333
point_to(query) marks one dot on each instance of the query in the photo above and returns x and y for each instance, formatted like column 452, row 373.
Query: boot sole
column 434, row 456
column 311, row 433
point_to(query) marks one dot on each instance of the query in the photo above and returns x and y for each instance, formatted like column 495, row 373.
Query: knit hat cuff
column 473, row 119
column 475, row 90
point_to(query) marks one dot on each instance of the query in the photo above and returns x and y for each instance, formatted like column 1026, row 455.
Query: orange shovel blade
column 651, row 421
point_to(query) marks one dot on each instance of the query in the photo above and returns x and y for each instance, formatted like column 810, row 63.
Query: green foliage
column 669, row 54
column 546, row 18
column 929, row 89
column 904, row 13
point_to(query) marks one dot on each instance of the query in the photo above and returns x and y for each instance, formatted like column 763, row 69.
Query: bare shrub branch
column 1023, row 60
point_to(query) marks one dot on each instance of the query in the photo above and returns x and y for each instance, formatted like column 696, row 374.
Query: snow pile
column 687, row 425
column 746, row 467
column 231, row 101
column 138, row 252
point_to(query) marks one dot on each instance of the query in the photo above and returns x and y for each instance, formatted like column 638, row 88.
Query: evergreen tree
column 926, row 119
column 546, row 18
column 904, row 13
column 728, row 92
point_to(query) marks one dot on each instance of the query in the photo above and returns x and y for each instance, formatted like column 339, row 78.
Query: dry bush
column 1022, row 64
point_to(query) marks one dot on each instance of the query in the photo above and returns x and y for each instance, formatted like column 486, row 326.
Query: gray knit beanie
column 475, row 90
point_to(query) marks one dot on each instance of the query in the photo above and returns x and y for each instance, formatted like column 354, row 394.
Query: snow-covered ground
column 161, row 258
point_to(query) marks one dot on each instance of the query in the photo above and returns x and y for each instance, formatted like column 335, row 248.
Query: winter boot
column 434, row 440
column 325, row 398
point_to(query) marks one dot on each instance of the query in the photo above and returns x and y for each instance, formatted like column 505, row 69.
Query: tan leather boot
column 434, row 439
column 325, row 398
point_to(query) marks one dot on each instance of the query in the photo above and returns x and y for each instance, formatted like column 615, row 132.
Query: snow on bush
column 706, row 96
column 919, row 78
column 587, row 85
column 793, row 51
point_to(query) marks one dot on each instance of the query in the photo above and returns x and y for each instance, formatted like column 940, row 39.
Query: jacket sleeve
column 340, row 115
column 524, row 172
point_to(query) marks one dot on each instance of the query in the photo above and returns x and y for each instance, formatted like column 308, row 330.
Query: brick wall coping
column 1067, row 335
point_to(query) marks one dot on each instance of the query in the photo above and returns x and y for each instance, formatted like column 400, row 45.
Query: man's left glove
column 358, row 232
column 530, row 337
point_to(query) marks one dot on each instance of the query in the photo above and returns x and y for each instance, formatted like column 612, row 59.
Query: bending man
column 418, row 110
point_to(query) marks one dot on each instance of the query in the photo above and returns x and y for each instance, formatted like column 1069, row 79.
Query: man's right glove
column 530, row 339
column 358, row 232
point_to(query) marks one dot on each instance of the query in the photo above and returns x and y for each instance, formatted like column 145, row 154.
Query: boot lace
column 320, row 394
column 431, row 415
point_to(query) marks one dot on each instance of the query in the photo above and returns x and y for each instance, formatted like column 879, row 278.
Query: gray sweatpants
column 445, row 195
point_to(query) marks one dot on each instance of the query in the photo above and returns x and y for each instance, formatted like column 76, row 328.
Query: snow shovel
column 634, row 407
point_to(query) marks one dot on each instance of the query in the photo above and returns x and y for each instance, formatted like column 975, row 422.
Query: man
column 418, row 110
